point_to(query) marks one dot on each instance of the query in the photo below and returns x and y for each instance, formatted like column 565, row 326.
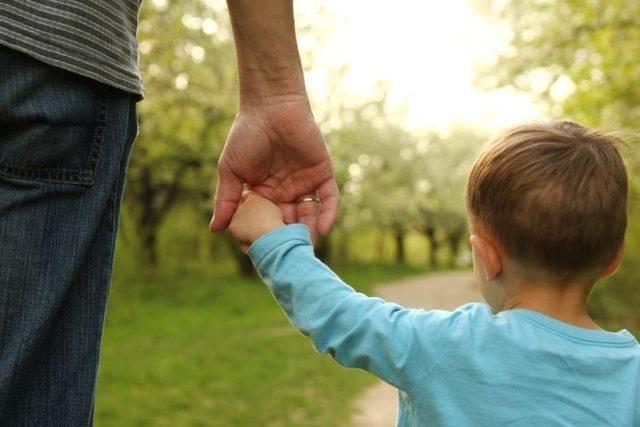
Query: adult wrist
column 258, row 90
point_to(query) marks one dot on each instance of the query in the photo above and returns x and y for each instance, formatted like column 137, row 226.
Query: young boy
column 547, row 214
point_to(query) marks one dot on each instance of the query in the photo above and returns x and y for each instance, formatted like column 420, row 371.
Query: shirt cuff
column 270, row 241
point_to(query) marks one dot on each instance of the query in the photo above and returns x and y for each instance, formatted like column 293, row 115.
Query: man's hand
column 274, row 145
column 254, row 217
column 278, row 150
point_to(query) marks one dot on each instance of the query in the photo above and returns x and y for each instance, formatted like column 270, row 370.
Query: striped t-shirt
column 94, row 38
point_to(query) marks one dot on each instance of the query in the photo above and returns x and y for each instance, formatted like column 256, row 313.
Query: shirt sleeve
column 357, row 331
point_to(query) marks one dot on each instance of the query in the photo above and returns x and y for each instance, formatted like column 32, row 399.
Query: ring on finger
column 309, row 198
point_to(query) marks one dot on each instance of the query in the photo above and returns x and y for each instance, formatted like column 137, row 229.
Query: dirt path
column 377, row 407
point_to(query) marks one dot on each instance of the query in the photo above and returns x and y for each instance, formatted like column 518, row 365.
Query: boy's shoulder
column 474, row 308
column 476, row 312
column 473, row 321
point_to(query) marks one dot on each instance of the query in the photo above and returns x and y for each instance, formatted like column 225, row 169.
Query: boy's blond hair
column 554, row 197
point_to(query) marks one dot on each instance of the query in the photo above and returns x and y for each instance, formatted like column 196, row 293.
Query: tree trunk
column 244, row 266
column 381, row 245
column 149, row 240
column 398, row 235
column 323, row 249
column 153, row 202
column 343, row 247
column 147, row 220
column 430, row 234
column 454, row 249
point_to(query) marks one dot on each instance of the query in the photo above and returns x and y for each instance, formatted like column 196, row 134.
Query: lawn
column 215, row 350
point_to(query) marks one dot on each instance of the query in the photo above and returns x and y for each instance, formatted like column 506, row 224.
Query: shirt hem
column 135, row 89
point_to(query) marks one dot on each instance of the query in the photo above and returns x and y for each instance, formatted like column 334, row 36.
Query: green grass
column 217, row 351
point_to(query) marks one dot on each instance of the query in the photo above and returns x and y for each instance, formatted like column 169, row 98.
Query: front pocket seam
column 53, row 175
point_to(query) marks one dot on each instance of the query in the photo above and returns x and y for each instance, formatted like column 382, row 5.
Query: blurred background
column 405, row 93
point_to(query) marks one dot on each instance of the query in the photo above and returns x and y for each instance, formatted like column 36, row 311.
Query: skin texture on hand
column 281, row 155
column 274, row 145
column 254, row 217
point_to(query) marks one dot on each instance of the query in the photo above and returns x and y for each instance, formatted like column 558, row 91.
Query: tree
column 374, row 162
column 187, row 62
column 580, row 58
column 444, row 167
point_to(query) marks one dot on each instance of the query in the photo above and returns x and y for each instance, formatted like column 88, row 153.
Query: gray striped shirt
column 94, row 38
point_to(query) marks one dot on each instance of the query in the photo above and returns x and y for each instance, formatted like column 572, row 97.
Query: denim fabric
column 64, row 146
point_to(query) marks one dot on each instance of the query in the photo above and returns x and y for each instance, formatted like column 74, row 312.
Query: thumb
column 227, row 197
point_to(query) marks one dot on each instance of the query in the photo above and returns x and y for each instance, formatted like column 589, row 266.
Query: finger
column 308, row 215
column 244, row 247
column 289, row 212
column 330, row 198
column 228, row 194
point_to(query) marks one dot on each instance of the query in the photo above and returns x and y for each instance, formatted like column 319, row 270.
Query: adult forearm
column 268, row 60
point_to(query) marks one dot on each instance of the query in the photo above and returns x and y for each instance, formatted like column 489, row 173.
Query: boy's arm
column 356, row 330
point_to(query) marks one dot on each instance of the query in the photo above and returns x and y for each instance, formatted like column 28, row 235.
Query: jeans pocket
column 52, row 125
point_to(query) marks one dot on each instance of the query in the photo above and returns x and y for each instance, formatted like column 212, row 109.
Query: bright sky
column 427, row 52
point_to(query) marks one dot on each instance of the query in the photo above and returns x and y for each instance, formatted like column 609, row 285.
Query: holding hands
column 277, row 150
column 256, row 216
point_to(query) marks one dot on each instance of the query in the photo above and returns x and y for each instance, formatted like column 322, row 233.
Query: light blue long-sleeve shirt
column 467, row 367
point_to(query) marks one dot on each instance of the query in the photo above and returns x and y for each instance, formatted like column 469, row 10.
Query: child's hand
column 255, row 217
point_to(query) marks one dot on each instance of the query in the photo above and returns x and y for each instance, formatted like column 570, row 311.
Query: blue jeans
column 64, row 145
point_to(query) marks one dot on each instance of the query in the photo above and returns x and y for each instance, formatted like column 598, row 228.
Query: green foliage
column 397, row 182
column 188, row 64
column 587, row 50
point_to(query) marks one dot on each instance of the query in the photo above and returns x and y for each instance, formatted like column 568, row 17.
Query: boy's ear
column 488, row 254
column 613, row 265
